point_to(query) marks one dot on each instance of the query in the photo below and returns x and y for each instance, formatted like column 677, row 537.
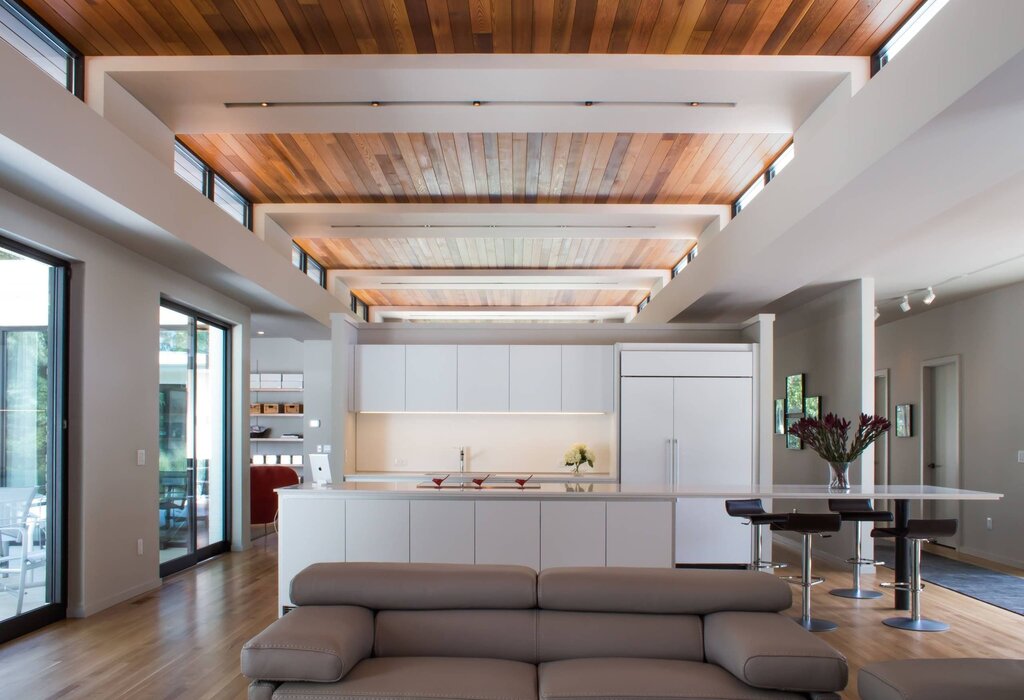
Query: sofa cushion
column 490, row 634
column 769, row 650
column 310, row 644
column 416, row 586
column 637, row 590
column 578, row 635
column 942, row 679
column 644, row 679
column 424, row 679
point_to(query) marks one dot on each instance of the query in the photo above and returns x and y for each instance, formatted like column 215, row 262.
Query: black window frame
column 880, row 58
column 304, row 260
column 210, row 178
column 359, row 307
column 75, row 80
column 769, row 174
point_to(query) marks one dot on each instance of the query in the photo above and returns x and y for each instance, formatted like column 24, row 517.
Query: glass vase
column 840, row 476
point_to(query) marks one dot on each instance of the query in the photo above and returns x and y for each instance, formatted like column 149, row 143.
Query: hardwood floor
column 183, row 641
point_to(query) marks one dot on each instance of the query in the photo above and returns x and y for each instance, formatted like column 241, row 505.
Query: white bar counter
column 573, row 523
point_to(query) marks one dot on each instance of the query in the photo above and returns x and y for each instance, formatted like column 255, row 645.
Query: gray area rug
column 993, row 587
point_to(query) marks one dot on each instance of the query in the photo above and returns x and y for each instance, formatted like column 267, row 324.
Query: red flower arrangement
column 830, row 438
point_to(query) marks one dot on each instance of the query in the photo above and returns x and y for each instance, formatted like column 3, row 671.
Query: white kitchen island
column 568, row 524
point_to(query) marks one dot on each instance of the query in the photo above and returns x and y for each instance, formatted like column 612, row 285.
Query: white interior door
column 713, row 427
column 646, row 437
column 941, row 437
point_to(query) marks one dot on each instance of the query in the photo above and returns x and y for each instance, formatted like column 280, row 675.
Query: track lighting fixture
column 929, row 297
column 375, row 103
column 877, row 313
column 905, row 304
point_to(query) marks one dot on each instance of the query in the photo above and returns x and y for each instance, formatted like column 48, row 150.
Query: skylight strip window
column 225, row 197
column 30, row 36
column 201, row 177
column 306, row 264
column 687, row 259
column 907, row 31
column 776, row 167
column 189, row 168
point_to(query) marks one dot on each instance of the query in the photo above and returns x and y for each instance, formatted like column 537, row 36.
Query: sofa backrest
column 508, row 612
column 661, row 591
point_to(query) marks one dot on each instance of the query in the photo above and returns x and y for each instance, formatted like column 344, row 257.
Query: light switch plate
column 1020, row 456
column 140, row 458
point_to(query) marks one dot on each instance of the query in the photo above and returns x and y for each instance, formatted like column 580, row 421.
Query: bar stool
column 808, row 525
column 857, row 511
column 753, row 510
column 918, row 531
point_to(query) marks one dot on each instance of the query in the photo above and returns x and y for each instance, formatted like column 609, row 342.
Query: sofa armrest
column 310, row 643
column 768, row 650
column 262, row 690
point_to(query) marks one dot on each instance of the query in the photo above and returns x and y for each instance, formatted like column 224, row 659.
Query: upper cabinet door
column 483, row 378
column 431, row 377
column 380, row 378
column 535, row 373
column 588, row 379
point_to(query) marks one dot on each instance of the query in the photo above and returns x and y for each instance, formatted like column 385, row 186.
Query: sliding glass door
column 194, row 438
column 32, row 439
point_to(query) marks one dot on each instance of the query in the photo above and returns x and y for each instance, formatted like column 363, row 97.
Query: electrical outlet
column 988, row 523
column 138, row 546
column 140, row 458
column 327, row 449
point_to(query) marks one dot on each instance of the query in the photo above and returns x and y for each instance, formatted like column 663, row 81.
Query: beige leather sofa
column 431, row 632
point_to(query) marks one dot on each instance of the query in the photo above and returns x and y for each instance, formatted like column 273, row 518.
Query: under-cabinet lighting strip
column 489, row 413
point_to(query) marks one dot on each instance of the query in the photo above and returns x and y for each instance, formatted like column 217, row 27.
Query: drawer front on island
column 441, row 532
column 640, row 534
column 377, row 531
column 572, row 533
column 508, row 532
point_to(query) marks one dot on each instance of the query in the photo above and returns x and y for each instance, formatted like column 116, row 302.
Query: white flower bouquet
column 578, row 455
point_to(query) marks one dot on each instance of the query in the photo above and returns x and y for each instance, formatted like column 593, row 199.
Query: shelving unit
column 276, row 415
column 280, row 446
column 280, row 439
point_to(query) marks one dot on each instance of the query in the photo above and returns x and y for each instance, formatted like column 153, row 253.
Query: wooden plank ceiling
column 499, row 297
column 204, row 27
column 496, row 253
column 469, row 168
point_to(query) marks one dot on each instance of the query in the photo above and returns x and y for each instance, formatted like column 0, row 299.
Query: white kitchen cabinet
column 380, row 378
column 375, row 531
column 442, row 531
column 640, row 533
column 689, row 363
column 483, row 378
column 691, row 431
column 647, row 426
column 508, row 532
column 587, row 378
column 431, row 377
column 714, row 445
column 299, row 546
column 535, row 378
column 572, row 533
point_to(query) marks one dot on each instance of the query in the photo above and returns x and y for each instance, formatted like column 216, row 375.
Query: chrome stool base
column 857, row 593
column 919, row 625
column 813, row 624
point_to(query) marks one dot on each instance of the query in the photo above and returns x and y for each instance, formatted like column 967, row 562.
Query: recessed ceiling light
column 375, row 103
column 905, row 304
column 695, row 104
column 261, row 332
column 930, row 296
column 588, row 103
column 264, row 104
column 477, row 103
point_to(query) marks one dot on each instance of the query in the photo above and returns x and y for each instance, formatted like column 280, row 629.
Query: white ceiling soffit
column 464, row 279
column 498, row 314
column 868, row 187
column 772, row 94
column 642, row 221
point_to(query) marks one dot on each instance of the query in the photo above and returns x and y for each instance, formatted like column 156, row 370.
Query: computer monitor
column 320, row 468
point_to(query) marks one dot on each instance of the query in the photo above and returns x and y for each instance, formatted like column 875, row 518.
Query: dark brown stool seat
column 808, row 525
column 857, row 511
column 917, row 531
column 753, row 510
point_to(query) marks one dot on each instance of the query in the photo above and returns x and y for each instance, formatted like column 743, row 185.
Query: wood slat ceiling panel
column 202, row 27
column 496, row 253
column 498, row 297
column 480, row 168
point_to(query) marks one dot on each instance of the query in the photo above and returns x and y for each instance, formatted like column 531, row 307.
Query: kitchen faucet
column 462, row 460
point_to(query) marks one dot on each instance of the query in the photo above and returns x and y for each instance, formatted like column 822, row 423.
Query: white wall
column 987, row 332
column 115, row 298
column 120, row 108
column 495, row 443
column 830, row 340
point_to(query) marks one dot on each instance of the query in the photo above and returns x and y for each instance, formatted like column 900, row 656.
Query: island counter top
column 603, row 491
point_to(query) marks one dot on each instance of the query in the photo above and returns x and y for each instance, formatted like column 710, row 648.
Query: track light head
column 929, row 297
column 905, row 304
column 878, row 313
column 375, row 103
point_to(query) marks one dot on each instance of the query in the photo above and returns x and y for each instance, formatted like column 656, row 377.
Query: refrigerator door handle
column 670, row 461
column 675, row 463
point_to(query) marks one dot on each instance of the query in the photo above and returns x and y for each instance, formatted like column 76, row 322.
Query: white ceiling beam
column 532, row 279
column 502, row 313
column 631, row 93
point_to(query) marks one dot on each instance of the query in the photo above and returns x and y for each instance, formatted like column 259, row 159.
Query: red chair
column 262, row 498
